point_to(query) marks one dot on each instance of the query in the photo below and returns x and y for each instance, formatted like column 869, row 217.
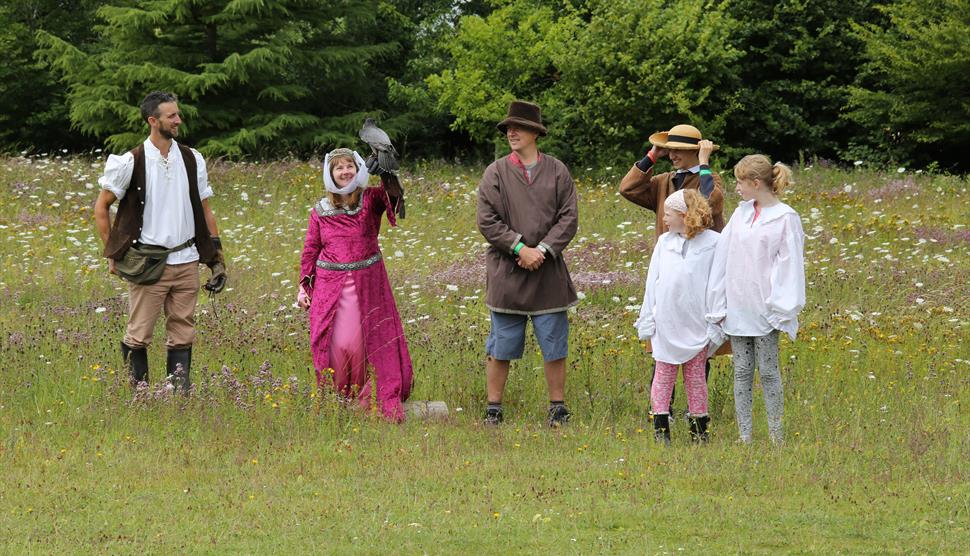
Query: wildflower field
column 257, row 461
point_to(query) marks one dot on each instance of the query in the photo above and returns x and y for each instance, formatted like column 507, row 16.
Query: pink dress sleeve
column 381, row 203
column 311, row 251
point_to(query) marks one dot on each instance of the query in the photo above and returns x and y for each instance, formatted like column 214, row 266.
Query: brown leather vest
column 131, row 210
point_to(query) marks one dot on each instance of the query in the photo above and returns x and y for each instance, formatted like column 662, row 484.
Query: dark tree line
column 842, row 80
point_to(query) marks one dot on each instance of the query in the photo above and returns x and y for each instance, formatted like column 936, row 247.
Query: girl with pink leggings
column 672, row 315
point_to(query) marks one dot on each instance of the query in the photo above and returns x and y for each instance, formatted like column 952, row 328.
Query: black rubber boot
column 698, row 428
column 180, row 377
column 661, row 429
column 136, row 360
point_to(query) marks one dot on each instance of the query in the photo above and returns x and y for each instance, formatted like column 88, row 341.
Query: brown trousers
column 176, row 293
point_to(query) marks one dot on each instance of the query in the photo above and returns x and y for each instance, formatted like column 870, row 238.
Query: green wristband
column 705, row 172
column 518, row 248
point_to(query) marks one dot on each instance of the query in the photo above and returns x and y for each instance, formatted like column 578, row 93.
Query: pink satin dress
column 354, row 322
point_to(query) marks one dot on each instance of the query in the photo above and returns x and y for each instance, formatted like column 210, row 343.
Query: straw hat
column 523, row 114
column 681, row 136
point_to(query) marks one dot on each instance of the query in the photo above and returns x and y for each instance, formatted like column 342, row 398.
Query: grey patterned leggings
column 764, row 350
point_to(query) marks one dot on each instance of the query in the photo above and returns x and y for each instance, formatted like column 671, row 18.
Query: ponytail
column 758, row 167
column 780, row 177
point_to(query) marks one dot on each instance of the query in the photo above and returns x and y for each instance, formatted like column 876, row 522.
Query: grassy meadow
column 257, row 461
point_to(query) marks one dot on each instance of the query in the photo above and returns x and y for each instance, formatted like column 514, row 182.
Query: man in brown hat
column 527, row 213
column 690, row 155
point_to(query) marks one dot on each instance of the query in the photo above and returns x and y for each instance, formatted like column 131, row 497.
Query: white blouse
column 168, row 212
column 758, row 280
column 674, row 305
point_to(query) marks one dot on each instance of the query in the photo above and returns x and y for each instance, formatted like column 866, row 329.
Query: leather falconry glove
column 373, row 166
column 391, row 183
column 218, row 267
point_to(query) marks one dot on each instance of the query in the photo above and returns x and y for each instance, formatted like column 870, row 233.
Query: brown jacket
column 131, row 209
column 649, row 191
column 540, row 212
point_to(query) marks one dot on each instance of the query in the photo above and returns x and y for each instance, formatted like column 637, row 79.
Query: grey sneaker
column 493, row 417
column 558, row 415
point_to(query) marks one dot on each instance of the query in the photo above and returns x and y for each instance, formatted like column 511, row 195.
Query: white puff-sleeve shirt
column 758, row 279
column 674, row 307
column 168, row 219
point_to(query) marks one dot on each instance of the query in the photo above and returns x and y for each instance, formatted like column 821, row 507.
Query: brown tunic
column 543, row 211
column 649, row 191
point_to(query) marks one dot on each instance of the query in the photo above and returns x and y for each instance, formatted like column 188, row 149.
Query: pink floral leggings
column 664, row 378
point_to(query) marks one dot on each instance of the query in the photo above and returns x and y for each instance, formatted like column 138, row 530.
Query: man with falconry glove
column 163, row 229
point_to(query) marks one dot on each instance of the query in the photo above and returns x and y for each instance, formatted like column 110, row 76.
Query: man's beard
column 168, row 134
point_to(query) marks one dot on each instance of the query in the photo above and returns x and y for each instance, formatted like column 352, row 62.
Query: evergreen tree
column 254, row 77
column 35, row 110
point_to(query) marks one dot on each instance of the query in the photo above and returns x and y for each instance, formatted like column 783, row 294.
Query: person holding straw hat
column 689, row 153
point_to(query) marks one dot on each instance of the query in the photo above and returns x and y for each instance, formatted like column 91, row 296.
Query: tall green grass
column 258, row 461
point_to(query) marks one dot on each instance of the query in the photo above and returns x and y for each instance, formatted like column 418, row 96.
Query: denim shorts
column 506, row 339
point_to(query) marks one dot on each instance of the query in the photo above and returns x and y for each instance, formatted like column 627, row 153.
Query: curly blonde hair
column 759, row 167
column 698, row 217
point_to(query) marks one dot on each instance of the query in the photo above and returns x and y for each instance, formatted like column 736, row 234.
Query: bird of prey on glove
column 383, row 161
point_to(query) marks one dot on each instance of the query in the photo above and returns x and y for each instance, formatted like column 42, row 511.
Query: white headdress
column 360, row 180
column 676, row 201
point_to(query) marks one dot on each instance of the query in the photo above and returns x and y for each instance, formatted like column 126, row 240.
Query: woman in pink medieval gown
column 354, row 323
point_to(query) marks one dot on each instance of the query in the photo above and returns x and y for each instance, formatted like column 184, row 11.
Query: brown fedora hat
column 523, row 114
column 681, row 136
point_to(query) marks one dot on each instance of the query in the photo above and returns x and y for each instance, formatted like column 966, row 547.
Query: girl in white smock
column 757, row 286
column 674, row 307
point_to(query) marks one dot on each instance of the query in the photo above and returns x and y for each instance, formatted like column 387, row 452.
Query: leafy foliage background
column 840, row 80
